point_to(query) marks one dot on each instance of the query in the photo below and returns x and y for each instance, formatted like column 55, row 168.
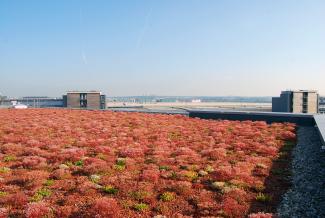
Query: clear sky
column 166, row 47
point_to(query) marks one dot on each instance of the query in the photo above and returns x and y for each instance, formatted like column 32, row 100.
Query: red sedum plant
column 60, row 163
column 38, row 210
column 104, row 208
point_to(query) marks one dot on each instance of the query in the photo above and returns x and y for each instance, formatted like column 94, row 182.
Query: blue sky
column 166, row 47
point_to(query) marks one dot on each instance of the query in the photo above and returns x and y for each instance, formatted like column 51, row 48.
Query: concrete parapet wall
column 299, row 119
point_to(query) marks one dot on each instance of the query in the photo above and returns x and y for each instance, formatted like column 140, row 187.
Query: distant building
column 301, row 101
column 84, row 99
column 41, row 101
column 34, row 101
column 321, row 108
column 1, row 99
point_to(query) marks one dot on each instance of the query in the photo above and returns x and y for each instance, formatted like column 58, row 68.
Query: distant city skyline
column 171, row 48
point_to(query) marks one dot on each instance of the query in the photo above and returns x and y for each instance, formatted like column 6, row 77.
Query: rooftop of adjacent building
column 299, row 91
column 86, row 92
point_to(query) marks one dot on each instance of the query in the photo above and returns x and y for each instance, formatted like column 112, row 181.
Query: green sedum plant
column 140, row 206
column 167, row 196
column 191, row 175
column 120, row 164
column 209, row 169
column 4, row 169
column 164, row 168
column 79, row 163
column 110, row 189
column 119, row 167
column 3, row 194
column 121, row 161
column 40, row 194
column 9, row 158
column 69, row 163
column 265, row 198
column 49, row 182
column 140, row 195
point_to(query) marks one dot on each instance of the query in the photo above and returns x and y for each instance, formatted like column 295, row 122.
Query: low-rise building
column 300, row 101
column 85, row 99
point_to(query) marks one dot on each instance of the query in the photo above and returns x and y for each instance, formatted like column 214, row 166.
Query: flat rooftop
column 299, row 91
column 88, row 92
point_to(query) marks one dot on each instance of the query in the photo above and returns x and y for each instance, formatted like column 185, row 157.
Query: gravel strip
column 306, row 197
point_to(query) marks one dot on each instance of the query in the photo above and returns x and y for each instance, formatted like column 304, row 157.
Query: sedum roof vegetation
column 76, row 163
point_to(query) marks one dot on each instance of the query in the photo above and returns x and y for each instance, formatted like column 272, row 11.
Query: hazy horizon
column 145, row 95
column 166, row 48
